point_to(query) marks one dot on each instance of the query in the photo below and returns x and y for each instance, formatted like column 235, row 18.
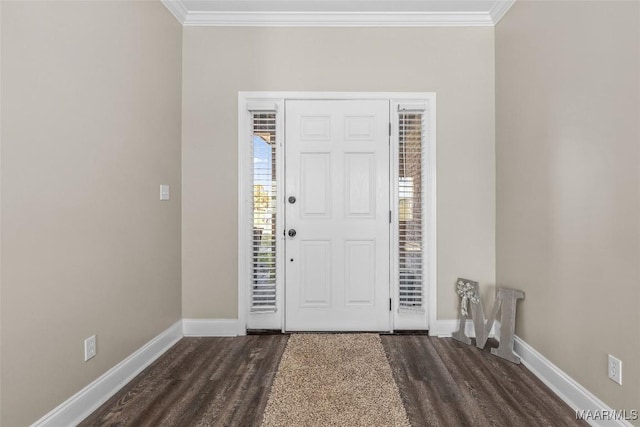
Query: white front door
column 337, row 215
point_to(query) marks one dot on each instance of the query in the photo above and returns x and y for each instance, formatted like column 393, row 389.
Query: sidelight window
column 263, row 236
column 411, row 135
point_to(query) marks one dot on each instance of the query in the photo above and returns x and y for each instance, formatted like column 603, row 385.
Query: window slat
column 410, row 210
column 263, row 242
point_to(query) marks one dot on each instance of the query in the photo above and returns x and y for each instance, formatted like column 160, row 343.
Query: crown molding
column 499, row 9
column 177, row 9
column 338, row 19
column 229, row 18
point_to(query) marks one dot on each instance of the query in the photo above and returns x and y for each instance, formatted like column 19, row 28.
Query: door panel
column 359, row 272
column 315, row 177
column 359, row 189
column 315, row 256
column 337, row 168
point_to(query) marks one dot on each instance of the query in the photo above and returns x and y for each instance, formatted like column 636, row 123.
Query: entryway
column 336, row 211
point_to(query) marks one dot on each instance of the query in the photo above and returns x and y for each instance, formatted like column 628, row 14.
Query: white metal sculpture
column 505, row 302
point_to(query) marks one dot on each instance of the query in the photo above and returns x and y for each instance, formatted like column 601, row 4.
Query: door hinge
column 389, row 128
column 389, row 217
column 389, row 304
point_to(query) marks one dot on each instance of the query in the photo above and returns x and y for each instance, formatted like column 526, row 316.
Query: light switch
column 164, row 192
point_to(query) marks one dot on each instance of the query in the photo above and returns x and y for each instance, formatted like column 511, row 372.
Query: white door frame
column 275, row 101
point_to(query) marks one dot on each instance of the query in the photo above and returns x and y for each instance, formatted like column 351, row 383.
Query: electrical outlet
column 615, row 369
column 89, row 347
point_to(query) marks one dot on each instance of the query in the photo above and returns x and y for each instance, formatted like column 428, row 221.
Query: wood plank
column 199, row 381
column 226, row 382
column 445, row 382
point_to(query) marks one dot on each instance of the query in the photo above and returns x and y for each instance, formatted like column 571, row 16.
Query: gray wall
column 90, row 129
column 457, row 63
column 91, row 110
column 568, row 203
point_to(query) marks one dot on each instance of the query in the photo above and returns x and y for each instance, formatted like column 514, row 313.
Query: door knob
column 292, row 233
column 292, row 199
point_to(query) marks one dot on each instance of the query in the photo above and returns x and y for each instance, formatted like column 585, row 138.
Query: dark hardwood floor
column 443, row 382
column 199, row 381
column 226, row 382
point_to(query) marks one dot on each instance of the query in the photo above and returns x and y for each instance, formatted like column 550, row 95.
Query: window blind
column 410, row 209
column 263, row 236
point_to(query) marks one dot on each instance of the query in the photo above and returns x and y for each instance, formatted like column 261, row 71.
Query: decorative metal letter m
column 505, row 302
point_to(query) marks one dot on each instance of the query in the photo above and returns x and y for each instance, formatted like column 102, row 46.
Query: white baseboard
column 445, row 328
column 211, row 327
column 573, row 394
column 87, row 400
column 83, row 403
column 565, row 387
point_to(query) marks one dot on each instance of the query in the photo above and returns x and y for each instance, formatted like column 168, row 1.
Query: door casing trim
column 277, row 101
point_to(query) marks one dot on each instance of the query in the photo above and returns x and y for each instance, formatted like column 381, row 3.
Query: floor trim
column 82, row 404
column 212, row 328
column 565, row 387
column 87, row 400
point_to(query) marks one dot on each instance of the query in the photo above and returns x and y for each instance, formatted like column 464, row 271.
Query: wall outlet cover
column 615, row 369
column 89, row 347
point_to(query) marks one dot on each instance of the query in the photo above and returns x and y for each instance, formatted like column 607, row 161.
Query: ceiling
column 339, row 13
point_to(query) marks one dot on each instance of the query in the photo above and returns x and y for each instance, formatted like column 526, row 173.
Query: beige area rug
column 334, row 380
